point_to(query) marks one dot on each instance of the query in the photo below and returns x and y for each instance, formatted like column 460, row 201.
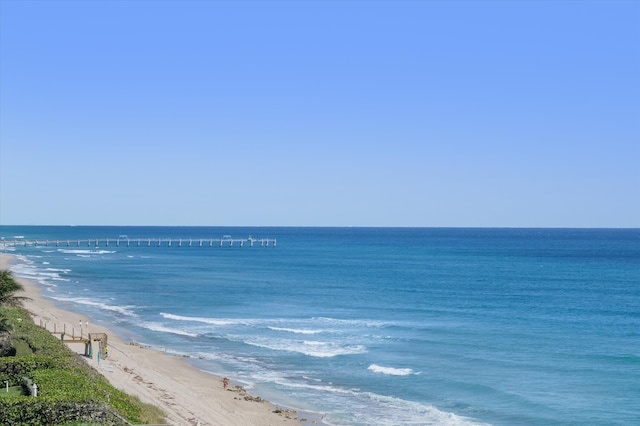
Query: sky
column 320, row 113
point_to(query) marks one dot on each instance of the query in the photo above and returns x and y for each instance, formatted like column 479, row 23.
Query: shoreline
column 188, row 395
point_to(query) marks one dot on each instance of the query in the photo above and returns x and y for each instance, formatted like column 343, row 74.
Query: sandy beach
column 187, row 395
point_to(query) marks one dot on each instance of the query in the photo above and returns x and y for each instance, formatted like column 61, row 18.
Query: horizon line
column 332, row 226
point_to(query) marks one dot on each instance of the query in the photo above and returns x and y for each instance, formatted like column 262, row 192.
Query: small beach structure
column 93, row 342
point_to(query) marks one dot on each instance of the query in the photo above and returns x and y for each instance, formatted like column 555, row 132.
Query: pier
column 143, row 242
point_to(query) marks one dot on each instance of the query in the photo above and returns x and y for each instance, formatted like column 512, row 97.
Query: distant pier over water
column 225, row 241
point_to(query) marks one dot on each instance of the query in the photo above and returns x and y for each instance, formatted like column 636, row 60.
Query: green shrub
column 29, row 411
column 14, row 369
column 22, row 348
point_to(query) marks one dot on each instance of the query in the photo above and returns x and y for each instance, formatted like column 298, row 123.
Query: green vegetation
column 8, row 289
column 13, row 391
column 70, row 392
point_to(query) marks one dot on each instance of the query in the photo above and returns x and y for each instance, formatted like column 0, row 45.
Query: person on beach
column 225, row 382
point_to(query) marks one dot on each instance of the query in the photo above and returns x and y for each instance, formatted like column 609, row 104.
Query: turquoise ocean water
column 377, row 326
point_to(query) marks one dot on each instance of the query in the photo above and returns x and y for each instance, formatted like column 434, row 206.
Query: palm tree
column 8, row 288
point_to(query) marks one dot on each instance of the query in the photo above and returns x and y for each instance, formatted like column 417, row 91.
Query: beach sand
column 188, row 395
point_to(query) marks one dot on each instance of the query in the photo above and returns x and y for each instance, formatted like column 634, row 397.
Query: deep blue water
column 377, row 326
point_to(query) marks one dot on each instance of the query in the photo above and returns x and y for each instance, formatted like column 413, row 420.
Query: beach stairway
column 88, row 339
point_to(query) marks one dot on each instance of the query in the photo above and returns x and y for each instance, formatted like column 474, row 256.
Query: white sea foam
column 315, row 349
column 329, row 388
column 296, row 330
column 380, row 409
column 123, row 310
column 355, row 322
column 51, row 273
column 213, row 321
column 154, row 326
column 66, row 271
column 28, row 270
column 390, row 370
column 390, row 411
column 281, row 324
column 84, row 252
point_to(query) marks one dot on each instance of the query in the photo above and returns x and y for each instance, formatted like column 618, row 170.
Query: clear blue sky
column 326, row 113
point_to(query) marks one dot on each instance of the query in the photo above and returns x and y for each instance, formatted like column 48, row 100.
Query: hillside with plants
column 69, row 391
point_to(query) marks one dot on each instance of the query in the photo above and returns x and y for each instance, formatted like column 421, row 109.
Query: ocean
column 375, row 326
